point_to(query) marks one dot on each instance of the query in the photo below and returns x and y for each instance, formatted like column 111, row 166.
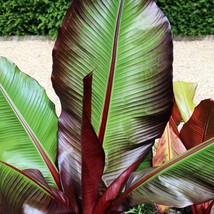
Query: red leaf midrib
column 110, row 78
column 46, row 159
column 44, row 188
column 159, row 169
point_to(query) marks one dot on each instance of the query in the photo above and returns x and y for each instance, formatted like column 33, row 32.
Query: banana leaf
column 184, row 98
column 168, row 147
column 22, row 194
column 28, row 124
column 200, row 126
column 128, row 46
column 185, row 180
column 93, row 156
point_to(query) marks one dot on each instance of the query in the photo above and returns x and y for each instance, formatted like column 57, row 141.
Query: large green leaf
column 185, row 180
column 21, row 194
column 128, row 46
column 28, row 123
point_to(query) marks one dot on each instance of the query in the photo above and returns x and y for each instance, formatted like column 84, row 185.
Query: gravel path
column 193, row 62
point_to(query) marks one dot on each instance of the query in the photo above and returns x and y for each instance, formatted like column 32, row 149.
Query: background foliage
column 31, row 17
column 43, row 17
column 189, row 18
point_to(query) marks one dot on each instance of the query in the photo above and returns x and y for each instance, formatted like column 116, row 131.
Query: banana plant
column 112, row 70
column 197, row 120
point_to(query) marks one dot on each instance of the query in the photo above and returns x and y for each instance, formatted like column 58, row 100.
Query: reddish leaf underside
column 28, row 197
column 184, row 168
column 176, row 114
column 93, row 157
column 200, row 126
column 114, row 189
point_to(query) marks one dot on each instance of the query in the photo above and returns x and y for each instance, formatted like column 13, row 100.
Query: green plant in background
column 112, row 70
column 43, row 17
column 189, row 18
column 52, row 20
column 142, row 209
column 31, row 17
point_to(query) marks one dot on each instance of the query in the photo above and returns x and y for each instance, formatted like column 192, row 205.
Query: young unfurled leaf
column 93, row 157
column 184, row 95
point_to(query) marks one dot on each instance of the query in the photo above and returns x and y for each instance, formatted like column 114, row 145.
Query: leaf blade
column 22, row 194
column 168, row 147
column 93, row 156
column 175, row 180
column 27, row 121
column 200, row 125
column 142, row 74
column 184, row 95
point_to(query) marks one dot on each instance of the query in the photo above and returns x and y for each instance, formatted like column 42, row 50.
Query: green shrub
column 189, row 18
column 31, row 17
column 43, row 17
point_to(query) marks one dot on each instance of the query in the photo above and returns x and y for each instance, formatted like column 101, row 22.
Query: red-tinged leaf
column 26, row 193
column 200, row 126
column 184, row 97
column 168, row 147
column 129, row 43
column 210, row 208
column 200, row 208
column 109, row 194
column 108, row 95
column 69, row 154
column 37, row 176
column 113, row 190
column 176, row 114
column 174, row 126
column 183, row 181
column 93, row 157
